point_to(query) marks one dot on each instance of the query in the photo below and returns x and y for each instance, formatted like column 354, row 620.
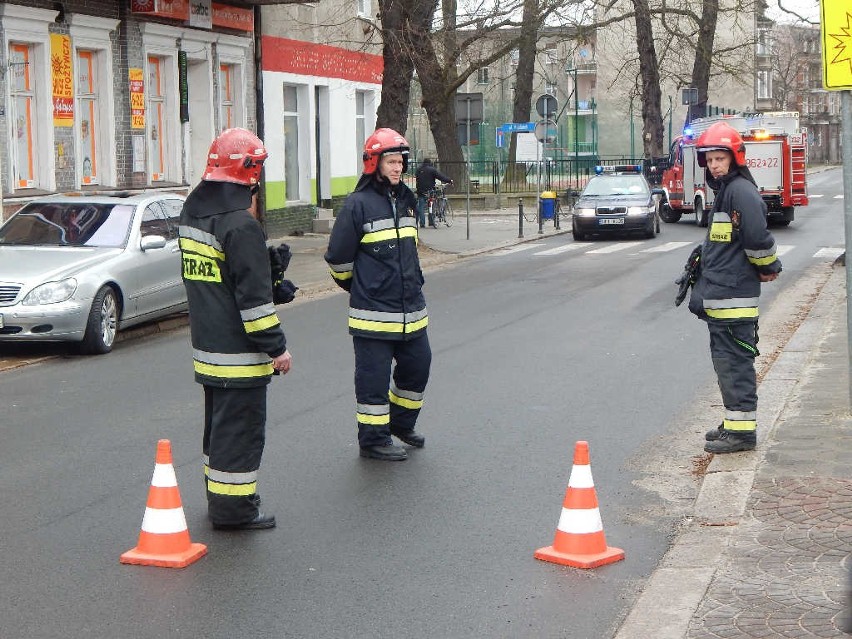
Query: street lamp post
column 572, row 71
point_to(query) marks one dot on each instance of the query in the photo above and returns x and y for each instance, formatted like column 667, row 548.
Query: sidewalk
column 766, row 552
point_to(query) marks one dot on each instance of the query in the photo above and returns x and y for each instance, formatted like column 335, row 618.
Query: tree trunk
column 652, row 117
column 396, row 85
column 515, row 177
column 703, row 57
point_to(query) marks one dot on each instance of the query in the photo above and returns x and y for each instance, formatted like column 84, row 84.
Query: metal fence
column 560, row 175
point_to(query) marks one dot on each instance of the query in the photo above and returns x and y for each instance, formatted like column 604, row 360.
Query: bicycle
column 440, row 209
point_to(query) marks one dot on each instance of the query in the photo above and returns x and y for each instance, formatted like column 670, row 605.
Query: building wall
column 98, row 130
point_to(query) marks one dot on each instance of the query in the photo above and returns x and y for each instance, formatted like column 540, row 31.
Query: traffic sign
column 468, row 107
column 546, row 105
column 836, row 31
column 518, row 127
column 545, row 131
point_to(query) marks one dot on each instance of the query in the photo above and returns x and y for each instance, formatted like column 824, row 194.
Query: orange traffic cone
column 164, row 540
column 579, row 539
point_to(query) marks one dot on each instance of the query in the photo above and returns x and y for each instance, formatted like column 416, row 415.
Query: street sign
column 836, row 31
column 546, row 105
column 689, row 96
column 545, row 131
column 468, row 105
column 518, row 127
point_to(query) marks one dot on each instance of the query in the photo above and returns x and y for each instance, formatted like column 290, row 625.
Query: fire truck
column 776, row 156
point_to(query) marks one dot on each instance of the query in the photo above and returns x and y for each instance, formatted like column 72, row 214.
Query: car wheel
column 579, row 236
column 649, row 232
column 669, row 215
column 102, row 324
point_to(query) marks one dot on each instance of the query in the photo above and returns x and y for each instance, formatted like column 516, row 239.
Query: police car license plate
column 611, row 220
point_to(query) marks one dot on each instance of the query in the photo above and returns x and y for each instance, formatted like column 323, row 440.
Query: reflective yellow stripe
column 731, row 313
column 376, row 327
column 413, row 327
column 340, row 276
column 201, row 249
column 740, row 425
column 260, row 324
column 232, row 490
column 405, row 403
column 373, row 420
column 198, row 267
column 762, row 261
column 389, row 234
column 232, row 372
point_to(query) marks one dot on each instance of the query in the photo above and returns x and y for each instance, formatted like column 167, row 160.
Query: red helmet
column 721, row 136
column 384, row 141
column 236, row 156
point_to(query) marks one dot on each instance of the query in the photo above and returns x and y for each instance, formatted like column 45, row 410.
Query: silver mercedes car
column 81, row 267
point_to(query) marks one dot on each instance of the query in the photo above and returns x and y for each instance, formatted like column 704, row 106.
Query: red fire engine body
column 776, row 155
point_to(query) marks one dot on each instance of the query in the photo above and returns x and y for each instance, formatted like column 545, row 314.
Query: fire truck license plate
column 612, row 220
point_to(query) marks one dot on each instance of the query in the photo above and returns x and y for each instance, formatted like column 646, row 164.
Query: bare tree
column 652, row 118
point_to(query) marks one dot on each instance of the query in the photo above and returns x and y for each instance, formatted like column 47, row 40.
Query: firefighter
column 738, row 253
column 237, row 339
column 372, row 254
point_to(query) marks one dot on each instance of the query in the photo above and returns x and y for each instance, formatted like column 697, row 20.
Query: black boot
column 715, row 433
column 260, row 522
column 731, row 442
column 388, row 452
column 410, row 437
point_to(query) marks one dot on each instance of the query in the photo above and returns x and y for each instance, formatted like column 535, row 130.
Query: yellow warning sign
column 836, row 27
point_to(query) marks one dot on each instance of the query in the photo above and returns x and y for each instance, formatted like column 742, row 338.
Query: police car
column 618, row 199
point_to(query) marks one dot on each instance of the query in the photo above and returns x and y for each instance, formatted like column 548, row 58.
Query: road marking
column 781, row 249
column 517, row 248
column 812, row 195
column 838, row 197
column 561, row 249
column 612, row 248
column 831, row 252
column 664, row 248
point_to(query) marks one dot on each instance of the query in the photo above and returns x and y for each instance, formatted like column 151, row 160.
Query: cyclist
column 426, row 176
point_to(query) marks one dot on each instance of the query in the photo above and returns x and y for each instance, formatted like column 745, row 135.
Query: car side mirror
column 152, row 242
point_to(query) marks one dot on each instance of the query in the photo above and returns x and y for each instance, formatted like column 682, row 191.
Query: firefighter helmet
column 236, row 156
column 384, row 141
column 721, row 136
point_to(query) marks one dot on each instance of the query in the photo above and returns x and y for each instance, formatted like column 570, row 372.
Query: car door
column 177, row 292
column 159, row 282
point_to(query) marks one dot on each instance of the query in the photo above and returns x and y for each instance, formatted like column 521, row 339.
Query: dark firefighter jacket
column 426, row 176
column 737, row 248
column 372, row 253
column 235, row 329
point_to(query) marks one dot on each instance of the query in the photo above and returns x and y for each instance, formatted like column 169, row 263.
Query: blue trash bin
column 547, row 205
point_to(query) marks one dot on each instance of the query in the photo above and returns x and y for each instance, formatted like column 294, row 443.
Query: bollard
column 540, row 218
column 520, row 218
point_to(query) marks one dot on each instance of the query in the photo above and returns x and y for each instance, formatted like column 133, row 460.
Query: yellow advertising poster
column 836, row 26
column 61, row 76
column 137, row 99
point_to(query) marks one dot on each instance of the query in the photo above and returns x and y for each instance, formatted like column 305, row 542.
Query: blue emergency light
column 618, row 168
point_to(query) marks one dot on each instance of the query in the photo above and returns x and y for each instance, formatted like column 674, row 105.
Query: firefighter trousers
column 234, row 436
column 385, row 407
column 733, row 348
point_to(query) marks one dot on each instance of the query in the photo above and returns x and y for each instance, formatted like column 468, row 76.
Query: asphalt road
column 532, row 352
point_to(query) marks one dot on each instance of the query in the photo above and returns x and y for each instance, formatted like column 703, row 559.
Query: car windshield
column 69, row 224
column 617, row 185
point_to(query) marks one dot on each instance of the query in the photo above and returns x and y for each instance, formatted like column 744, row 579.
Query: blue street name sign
column 518, row 127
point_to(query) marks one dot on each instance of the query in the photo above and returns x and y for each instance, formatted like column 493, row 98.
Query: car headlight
column 639, row 210
column 51, row 292
column 584, row 212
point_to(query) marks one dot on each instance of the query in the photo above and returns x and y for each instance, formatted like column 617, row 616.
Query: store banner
column 201, row 14
column 233, row 17
column 61, row 75
column 174, row 9
column 137, row 99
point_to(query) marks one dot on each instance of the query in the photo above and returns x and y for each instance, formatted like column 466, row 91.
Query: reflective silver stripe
column 761, row 253
column 230, row 359
column 250, row 314
column 198, row 235
column 373, row 409
column 379, row 225
column 415, row 316
column 376, row 316
column 406, row 394
column 342, row 268
column 224, row 477
column 407, row 221
column 735, row 302
column 720, row 216
column 740, row 416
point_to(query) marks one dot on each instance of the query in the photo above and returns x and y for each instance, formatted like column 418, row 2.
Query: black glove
column 284, row 292
column 690, row 274
column 279, row 259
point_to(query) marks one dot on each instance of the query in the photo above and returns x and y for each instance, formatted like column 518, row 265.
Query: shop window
column 291, row 142
column 226, row 96
column 157, row 134
column 22, row 117
column 87, row 102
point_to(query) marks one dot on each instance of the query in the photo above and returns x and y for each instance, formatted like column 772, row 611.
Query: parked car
column 80, row 267
column 618, row 199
